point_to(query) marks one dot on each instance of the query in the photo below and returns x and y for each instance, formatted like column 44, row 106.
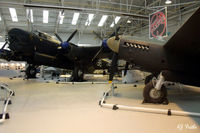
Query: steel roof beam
column 89, row 10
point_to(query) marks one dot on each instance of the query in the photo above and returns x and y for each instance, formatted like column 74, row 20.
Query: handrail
column 7, row 100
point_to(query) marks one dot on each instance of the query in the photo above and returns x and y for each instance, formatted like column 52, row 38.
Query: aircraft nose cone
column 113, row 44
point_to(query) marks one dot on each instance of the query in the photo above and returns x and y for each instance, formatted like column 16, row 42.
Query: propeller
column 113, row 67
column 6, row 42
column 4, row 45
column 71, row 36
column 66, row 44
column 98, row 35
column 104, row 42
column 115, row 32
column 126, row 68
column 58, row 37
column 5, row 54
column 114, row 63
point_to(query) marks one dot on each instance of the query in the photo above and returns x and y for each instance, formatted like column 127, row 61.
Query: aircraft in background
column 175, row 61
column 39, row 48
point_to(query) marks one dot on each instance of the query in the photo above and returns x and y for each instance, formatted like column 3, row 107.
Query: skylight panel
column 75, row 18
column 115, row 21
column 13, row 14
column 61, row 16
column 45, row 16
column 89, row 20
column 30, row 14
column 102, row 21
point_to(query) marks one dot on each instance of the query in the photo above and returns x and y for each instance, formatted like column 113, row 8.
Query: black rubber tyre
column 148, row 79
column 149, row 90
column 77, row 75
column 30, row 72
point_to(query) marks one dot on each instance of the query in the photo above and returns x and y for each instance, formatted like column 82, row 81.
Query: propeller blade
column 126, row 68
column 97, row 54
column 113, row 67
column 58, row 37
column 97, row 35
column 4, row 45
column 71, row 36
column 114, row 33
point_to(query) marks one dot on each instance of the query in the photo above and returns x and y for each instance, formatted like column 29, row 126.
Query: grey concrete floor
column 40, row 107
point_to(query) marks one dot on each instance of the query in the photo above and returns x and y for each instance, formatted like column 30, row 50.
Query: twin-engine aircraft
column 175, row 61
column 38, row 48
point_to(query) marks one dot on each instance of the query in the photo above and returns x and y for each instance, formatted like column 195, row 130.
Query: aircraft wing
column 186, row 41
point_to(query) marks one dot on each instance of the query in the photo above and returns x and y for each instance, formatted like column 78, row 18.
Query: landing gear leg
column 155, row 91
column 148, row 79
column 31, row 71
column 77, row 75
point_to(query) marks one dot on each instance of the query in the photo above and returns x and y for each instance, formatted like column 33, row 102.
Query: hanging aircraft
column 175, row 61
column 39, row 48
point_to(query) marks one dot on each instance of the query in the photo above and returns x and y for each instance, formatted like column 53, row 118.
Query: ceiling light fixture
column 45, row 16
column 61, row 16
column 102, row 21
column 116, row 21
column 0, row 18
column 128, row 21
column 75, row 18
column 89, row 20
column 168, row 2
column 13, row 14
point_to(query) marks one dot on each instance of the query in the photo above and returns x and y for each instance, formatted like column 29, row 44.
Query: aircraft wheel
column 77, row 75
column 151, row 95
column 31, row 72
column 148, row 79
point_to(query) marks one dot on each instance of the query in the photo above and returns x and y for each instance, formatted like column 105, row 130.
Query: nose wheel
column 152, row 95
column 155, row 91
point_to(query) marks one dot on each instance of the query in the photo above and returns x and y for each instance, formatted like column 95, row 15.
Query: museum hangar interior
column 99, row 66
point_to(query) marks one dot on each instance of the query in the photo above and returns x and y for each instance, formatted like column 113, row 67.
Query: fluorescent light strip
column 45, row 16
column 89, row 20
column 116, row 21
column 102, row 21
column 75, row 18
column 13, row 14
column 61, row 16
column 30, row 14
column 0, row 18
column 128, row 21
column 168, row 2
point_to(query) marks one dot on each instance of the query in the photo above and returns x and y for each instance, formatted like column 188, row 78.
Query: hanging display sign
column 158, row 24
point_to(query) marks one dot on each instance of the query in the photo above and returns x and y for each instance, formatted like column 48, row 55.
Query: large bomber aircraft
column 175, row 61
column 39, row 48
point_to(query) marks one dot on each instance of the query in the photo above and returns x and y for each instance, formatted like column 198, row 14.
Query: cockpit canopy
column 46, row 36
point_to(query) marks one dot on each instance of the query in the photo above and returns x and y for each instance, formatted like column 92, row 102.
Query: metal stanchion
column 4, row 115
column 168, row 112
